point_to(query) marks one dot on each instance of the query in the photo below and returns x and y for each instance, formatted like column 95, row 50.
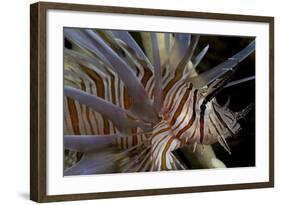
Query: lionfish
column 128, row 110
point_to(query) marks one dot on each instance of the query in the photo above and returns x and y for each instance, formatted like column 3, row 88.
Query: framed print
column 134, row 102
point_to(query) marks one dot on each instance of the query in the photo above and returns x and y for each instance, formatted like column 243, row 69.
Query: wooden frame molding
column 38, row 100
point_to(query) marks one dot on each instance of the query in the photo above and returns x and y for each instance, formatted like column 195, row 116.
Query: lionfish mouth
column 127, row 108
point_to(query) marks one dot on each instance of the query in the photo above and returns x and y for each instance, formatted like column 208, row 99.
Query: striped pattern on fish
column 97, row 65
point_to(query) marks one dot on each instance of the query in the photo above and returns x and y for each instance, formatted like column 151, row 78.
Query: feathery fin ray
column 221, row 69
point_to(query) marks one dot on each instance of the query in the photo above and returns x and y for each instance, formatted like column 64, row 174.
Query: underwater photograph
column 141, row 101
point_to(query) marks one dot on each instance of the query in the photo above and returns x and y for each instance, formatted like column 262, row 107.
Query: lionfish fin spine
column 127, row 38
column 237, row 82
column 158, row 95
column 226, row 105
column 224, row 144
column 116, row 114
column 86, row 143
column 218, row 71
column 194, row 147
column 200, row 56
